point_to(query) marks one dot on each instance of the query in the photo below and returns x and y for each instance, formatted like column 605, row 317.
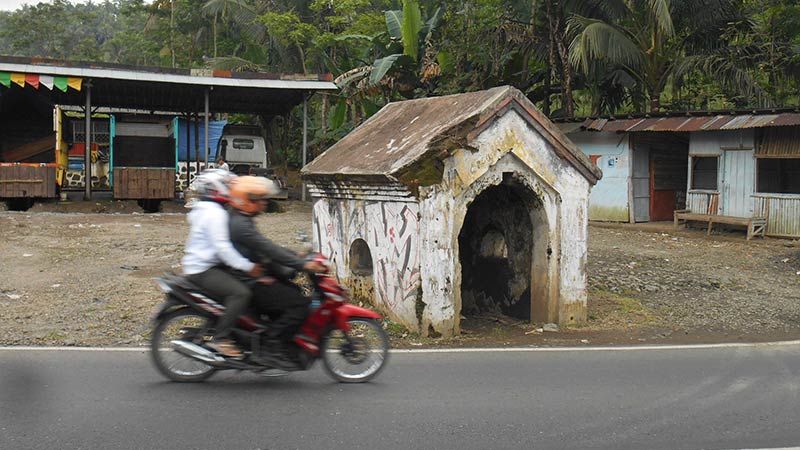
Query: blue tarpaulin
column 214, row 134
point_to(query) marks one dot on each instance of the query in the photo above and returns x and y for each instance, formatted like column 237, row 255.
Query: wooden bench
column 755, row 225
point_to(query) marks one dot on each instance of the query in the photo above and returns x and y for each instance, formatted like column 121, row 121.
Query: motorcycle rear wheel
column 183, row 324
column 357, row 356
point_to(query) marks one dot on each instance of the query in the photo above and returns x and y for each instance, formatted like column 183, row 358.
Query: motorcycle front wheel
column 183, row 324
column 358, row 355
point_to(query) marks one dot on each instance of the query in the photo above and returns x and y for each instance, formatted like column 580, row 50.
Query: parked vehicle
column 246, row 154
column 349, row 339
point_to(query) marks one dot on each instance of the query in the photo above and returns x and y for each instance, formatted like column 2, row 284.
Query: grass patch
column 54, row 336
column 614, row 310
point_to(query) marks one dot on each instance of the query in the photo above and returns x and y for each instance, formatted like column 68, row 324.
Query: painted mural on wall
column 391, row 231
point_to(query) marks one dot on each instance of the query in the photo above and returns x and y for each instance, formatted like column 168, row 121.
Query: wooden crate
column 144, row 183
column 27, row 181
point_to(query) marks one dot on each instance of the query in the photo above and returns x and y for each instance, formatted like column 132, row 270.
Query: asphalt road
column 712, row 398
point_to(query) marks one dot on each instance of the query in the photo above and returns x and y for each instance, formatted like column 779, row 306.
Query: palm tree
column 412, row 61
column 237, row 12
column 650, row 40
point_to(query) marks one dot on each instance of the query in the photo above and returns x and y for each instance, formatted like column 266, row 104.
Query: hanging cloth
column 32, row 79
column 74, row 83
column 60, row 83
column 18, row 79
column 5, row 79
column 46, row 81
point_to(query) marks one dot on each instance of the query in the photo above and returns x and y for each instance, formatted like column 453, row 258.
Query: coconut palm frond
column 662, row 16
column 732, row 73
column 352, row 76
column 599, row 41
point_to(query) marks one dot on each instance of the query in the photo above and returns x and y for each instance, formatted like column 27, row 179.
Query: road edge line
column 466, row 350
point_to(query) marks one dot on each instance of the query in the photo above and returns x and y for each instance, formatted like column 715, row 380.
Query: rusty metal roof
column 780, row 143
column 404, row 132
column 684, row 123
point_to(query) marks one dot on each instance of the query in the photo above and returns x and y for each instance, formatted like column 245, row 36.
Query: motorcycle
column 349, row 339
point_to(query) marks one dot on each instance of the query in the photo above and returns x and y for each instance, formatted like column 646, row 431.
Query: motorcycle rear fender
column 178, row 297
column 343, row 313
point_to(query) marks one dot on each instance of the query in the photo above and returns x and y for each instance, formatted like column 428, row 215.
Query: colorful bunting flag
column 36, row 80
column 18, row 79
column 46, row 81
column 32, row 79
column 60, row 83
column 74, row 83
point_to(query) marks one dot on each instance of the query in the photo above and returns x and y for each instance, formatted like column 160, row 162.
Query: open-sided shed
column 439, row 207
column 30, row 135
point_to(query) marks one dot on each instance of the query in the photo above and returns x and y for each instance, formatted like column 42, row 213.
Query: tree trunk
column 324, row 112
column 555, row 15
column 569, row 101
column 172, row 31
column 551, row 59
column 302, row 58
column 215, row 35
column 655, row 102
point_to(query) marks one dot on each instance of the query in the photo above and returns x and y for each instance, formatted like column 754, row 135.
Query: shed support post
column 205, row 143
column 87, row 150
column 305, row 137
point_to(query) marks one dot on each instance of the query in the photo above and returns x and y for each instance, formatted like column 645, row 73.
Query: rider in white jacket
column 209, row 249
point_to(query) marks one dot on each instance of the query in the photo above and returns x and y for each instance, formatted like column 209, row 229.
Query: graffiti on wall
column 391, row 231
column 394, row 233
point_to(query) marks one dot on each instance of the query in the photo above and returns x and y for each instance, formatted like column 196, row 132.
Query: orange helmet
column 246, row 191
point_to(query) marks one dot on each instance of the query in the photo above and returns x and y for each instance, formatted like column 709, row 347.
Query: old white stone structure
column 441, row 207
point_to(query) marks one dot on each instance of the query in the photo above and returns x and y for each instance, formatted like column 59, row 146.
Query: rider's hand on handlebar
column 313, row 266
column 256, row 272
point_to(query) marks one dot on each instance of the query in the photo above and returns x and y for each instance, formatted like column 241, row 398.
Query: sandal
column 226, row 347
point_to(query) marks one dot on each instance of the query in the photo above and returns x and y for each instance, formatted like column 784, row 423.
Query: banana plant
column 411, row 58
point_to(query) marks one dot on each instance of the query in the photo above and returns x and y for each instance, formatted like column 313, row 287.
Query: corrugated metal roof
column 703, row 123
column 164, row 89
column 780, row 143
column 404, row 132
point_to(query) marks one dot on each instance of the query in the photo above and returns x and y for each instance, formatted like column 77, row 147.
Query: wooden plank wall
column 23, row 181
column 144, row 183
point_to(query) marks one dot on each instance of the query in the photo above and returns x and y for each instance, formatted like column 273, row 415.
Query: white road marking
column 467, row 350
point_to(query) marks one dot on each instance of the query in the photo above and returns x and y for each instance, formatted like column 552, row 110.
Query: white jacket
column 209, row 242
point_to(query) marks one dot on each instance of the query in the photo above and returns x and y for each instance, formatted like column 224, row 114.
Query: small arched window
column 360, row 258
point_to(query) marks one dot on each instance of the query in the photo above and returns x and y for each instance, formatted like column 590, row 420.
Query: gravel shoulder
column 80, row 274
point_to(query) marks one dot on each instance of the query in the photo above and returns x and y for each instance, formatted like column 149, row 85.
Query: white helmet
column 212, row 184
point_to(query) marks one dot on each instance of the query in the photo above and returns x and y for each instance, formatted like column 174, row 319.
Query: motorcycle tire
column 176, row 325
column 357, row 356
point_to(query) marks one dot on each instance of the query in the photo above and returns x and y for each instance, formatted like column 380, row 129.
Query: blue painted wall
column 608, row 200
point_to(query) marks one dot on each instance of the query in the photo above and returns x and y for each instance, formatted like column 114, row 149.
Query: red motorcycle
column 350, row 340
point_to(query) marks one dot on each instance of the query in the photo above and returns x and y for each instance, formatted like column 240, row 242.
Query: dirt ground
column 80, row 273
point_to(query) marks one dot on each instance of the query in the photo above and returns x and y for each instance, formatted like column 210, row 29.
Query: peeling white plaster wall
column 391, row 230
column 410, row 253
column 564, row 194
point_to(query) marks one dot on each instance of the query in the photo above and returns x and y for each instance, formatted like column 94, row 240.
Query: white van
column 243, row 153
column 247, row 155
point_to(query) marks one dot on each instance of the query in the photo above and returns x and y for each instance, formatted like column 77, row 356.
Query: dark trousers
column 286, row 306
column 225, row 287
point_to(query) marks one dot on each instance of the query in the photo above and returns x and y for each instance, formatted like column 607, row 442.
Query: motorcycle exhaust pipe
column 196, row 352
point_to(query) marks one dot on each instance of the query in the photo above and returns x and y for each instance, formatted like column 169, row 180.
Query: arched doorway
column 496, row 251
column 360, row 282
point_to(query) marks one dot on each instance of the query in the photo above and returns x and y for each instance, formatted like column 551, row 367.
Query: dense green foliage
column 571, row 57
